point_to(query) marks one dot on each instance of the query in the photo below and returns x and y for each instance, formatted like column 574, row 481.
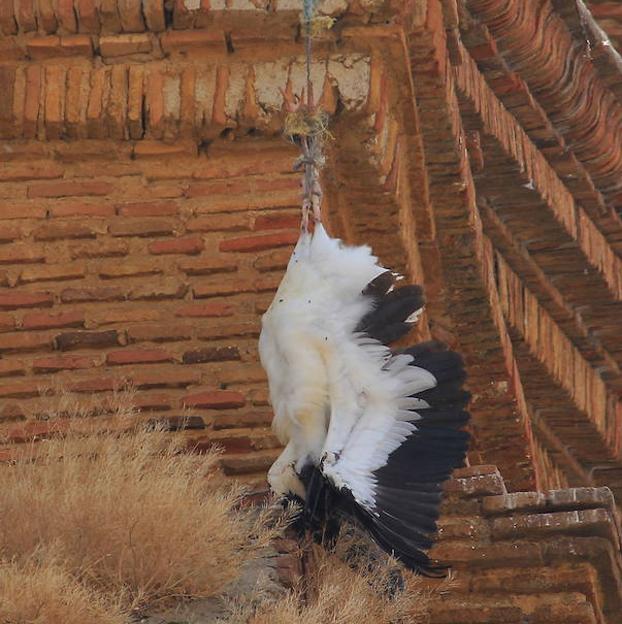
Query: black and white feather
column 369, row 433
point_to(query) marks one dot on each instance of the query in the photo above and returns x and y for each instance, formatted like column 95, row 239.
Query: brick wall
column 538, row 557
column 149, row 267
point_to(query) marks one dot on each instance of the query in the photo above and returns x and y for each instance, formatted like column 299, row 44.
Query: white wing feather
column 335, row 393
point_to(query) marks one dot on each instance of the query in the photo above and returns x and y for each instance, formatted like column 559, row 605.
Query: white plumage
column 343, row 402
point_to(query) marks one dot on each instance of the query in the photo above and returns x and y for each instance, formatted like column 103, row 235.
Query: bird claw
column 329, row 458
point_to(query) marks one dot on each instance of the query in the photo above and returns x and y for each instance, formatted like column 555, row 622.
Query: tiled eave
column 608, row 14
column 542, row 50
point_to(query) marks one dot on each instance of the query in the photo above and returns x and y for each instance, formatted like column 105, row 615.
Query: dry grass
column 343, row 589
column 42, row 592
column 128, row 514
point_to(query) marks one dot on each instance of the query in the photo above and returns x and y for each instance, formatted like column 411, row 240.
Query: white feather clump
column 340, row 398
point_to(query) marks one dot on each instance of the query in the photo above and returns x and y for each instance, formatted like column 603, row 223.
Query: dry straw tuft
column 346, row 587
column 42, row 592
column 303, row 123
column 128, row 513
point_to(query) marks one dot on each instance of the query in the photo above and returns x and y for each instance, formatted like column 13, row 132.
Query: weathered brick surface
column 530, row 556
column 107, row 280
column 149, row 210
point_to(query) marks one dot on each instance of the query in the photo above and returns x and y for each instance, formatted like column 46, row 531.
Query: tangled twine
column 316, row 27
column 303, row 123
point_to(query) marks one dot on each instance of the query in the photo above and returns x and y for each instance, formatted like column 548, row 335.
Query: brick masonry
column 148, row 208
column 152, row 274
column 544, row 557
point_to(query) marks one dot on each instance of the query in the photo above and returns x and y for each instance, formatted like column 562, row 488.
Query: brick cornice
column 538, row 44
column 168, row 100
column 521, row 184
column 467, row 259
column 517, row 98
column 136, row 16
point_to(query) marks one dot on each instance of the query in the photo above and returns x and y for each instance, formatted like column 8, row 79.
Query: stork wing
column 403, row 448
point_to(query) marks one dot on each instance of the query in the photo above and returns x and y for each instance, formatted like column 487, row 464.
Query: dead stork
column 370, row 433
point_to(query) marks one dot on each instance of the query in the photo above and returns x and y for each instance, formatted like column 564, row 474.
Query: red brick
column 227, row 186
column 154, row 15
column 229, row 330
column 169, row 332
column 478, row 485
column 60, row 231
column 18, row 172
column 9, row 233
column 97, row 384
column 217, row 287
column 205, row 310
column 277, row 222
column 116, row 269
column 94, row 109
column 55, row 79
column 25, row 341
column 135, row 101
column 21, row 253
column 23, row 211
column 80, row 209
column 76, row 45
column 173, row 40
column 25, row 15
column 168, row 288
column 130, row 13
column 148, row 209
column 47, row 18
column 7, row 322
column 87, row 15
column 158, row 149
column 62, row 362
column 259, row 243
column 7, row 18
column 606, row 9
column 42, row 320
column 152, row 402
column 219, row 223
column 66, row 16
column 51, row 273
column 40, row 48
column 15, row 300
column 31, row 102
column 207, row 266
column 123, row 314
column 215, row 399
column 19, row 390
column 166, row 377
column 68, row 188
column 190, row 246
column 211, row 354
column 38, row 430
column 246, row 419
column 81, row 295
column 138, row 356
column 88, row 340
column 248, row 463
column 123, row 45
column 275, row 260
column 10, row 368
column 229, row 444
column 10, row 50
column 142, row 227
column 99, row 249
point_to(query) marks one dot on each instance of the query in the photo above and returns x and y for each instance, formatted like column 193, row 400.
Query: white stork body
column 343, row 402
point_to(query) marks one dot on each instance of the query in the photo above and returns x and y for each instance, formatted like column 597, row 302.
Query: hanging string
column 307, row 125
column 308, row 13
